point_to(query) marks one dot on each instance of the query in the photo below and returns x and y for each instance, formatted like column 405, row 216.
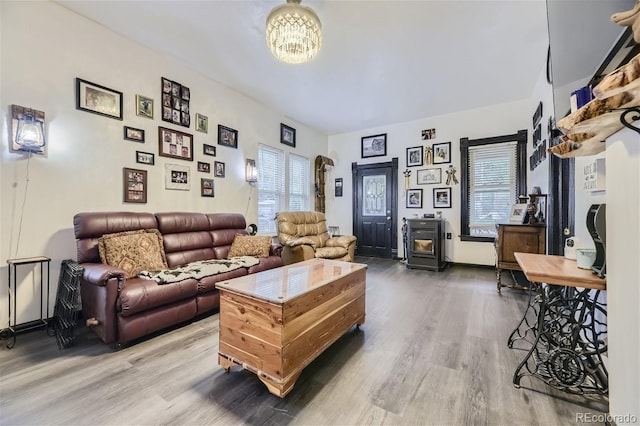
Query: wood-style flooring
column 432, row 351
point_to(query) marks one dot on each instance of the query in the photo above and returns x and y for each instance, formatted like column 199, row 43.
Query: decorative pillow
column 246, row 245
column 133, row 251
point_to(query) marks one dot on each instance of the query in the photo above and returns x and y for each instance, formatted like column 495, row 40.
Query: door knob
column 388, row 217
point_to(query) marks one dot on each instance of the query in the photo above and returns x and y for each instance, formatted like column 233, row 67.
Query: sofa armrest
column 275, row 250
column 342, row 241
column 99, row 274
column 301, row 241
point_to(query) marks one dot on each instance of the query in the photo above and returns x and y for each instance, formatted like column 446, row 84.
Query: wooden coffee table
column 275, row 322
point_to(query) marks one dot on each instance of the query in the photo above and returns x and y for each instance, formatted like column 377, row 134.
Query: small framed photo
column 428, row 134
column 209, row 150
column 134, row 185
column 414, row 156
column 98, row 99
column 202, row 123
column 175, row 144
column 145, row 158
column 204, row 167
column 227, row 136
column 131, row 134
column 429, row 176
column 218, row 169
column 207, row 188
column 287, row 135
column 414, row 198
column 144, row 106
column 518, row 213
column 442, row 153
column 442, row 198
column 374, row 146
column 177, row 177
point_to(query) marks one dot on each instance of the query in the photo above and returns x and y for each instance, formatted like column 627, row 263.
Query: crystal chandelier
column 293, row 33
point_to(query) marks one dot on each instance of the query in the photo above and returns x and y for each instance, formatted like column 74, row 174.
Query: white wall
column 82, row 169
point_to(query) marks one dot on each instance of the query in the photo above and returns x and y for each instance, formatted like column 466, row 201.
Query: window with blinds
column 271, row 192
column 299, row 185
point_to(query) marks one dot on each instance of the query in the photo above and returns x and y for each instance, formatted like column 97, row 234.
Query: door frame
column 355, row 174
column 561, row 210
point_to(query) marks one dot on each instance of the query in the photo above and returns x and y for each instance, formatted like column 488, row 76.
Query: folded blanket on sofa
column 200, row 269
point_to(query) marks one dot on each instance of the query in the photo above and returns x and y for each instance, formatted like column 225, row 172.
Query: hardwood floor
column 432, row 351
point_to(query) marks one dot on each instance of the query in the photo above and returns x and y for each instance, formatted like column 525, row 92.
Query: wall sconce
column 251, row 171
column 27, row 130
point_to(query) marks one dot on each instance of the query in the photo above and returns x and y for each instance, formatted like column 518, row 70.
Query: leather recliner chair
column 304, row 235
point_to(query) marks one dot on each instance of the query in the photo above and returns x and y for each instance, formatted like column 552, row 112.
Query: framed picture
column 338, row 187
column 428, row 134
column 218, row 169
column 202, row 123
column 227, row 136
column 442, row 198
column 374, row 146
column 145, row 158
column 175, row 103
column 134, row 185
column 204, row 167
column 414, row 156
column 442, row 153
column 518, row 213
column 429, row 176
column 98, row 99
column 177, row 177
column 206, row 188
column 131, row 134
column 144, row 106
column 209, row 150
column 414, row 198
column 175, row 144
column 287, row 135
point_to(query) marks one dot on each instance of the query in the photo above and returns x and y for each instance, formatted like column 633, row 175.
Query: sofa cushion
column 246, row 245
column 331, row 252
column 133, row 251
column 139, row 294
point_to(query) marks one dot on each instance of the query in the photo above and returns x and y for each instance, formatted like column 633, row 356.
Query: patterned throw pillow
column 246, row 245
column 133, row 251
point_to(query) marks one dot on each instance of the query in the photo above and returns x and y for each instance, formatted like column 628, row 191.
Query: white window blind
column 299, row 186
column 492, row 186
column 270, row 187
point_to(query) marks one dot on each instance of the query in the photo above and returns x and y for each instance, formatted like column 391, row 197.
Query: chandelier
column 294, row 33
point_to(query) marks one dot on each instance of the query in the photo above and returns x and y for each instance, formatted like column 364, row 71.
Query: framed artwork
column 204, row 167
column 287, row 135
column 428, row 134
column 206, row 188
column 202, row 123
column 227, row 136
column 144, row 106
column 131, row 134
column 134, row 185
column 338, row 187
column 177, row 177
column 218, row 169
column 442, row 153
column 175, row 144
column 414, row 156
column 175, row 103
column 518, row 213
column 442, row 198
column 414, row 198
column 145, row 158
column 209, row 150
column 98, row 99
column 374, row 146
column 429, row 176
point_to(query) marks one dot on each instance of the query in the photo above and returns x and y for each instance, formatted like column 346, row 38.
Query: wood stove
column 425, row 244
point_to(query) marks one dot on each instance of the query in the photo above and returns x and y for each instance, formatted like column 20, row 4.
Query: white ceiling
column 381, row 62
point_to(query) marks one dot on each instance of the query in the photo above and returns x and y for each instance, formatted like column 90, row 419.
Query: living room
column 85, row 155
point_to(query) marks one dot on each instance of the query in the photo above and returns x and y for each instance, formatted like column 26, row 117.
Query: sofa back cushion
column 133, row 251
column 223, row 228
column 293, row 225
column 186, row 237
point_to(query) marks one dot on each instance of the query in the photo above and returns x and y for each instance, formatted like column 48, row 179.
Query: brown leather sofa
column 121, row 309
column 304, row 235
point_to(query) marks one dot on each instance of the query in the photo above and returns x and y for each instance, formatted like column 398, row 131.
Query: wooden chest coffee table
column 275, row 322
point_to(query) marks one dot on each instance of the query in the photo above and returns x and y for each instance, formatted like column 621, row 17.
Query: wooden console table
column 516, row 238
column 568, row 329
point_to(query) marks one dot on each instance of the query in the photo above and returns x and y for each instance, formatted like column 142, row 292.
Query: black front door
column 375, row 205
column 561, row 209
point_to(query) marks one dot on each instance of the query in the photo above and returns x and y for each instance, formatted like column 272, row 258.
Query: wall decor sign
column 134, row 185
column 374, row 146
column 204, row 167
column 429, row 176
column 144, row 106
column 209, row 150
column 414, row 156
column 177, row 177
column 414, row 198
column 442, row 198
column 537, row 116
column 442, row 153
column 202, row 123
column 145, row 158
column 218, row 169
column 175, row 103
column 175, row 144
column 287, row 135
column 338, row 187
column 98, row 99
column 227, row 136
column 428, row 134
column 131, row 134
column 207, row 188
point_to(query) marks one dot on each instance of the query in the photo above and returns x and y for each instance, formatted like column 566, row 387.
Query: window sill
column 477, row 239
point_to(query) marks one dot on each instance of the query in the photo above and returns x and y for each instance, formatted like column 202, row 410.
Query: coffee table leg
column 225, row 363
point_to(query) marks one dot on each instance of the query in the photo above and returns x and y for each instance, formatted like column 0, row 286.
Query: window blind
column 270, row 187
column 299, row 186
